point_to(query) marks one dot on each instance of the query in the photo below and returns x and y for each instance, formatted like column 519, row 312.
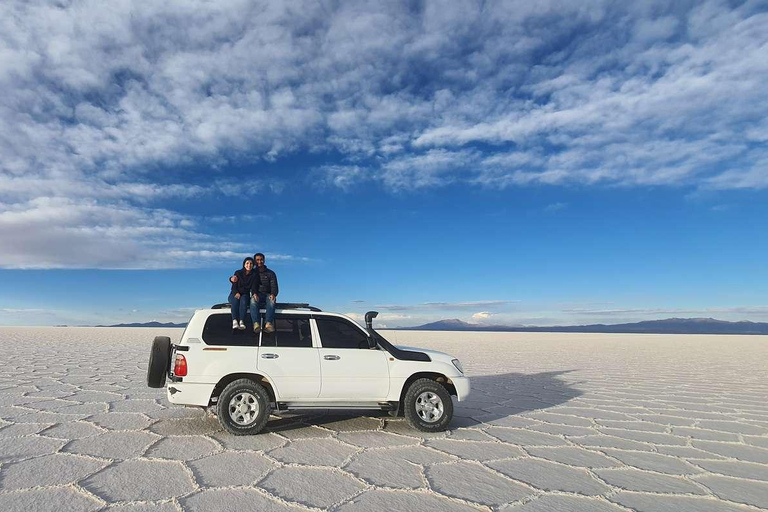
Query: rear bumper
column 189, row 393
column 462, row 387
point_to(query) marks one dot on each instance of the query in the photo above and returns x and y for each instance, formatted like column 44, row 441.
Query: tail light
column 180, row 366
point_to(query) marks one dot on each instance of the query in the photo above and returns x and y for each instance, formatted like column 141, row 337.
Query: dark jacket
column 244, row 282
column 265, row 284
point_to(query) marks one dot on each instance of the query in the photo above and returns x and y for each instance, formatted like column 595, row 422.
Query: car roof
column 292, row 311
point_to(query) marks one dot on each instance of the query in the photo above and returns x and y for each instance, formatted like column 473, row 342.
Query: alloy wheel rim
column 429, row 407
column 243, row 408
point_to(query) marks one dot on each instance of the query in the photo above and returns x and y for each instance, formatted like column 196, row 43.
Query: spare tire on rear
column 159, row 362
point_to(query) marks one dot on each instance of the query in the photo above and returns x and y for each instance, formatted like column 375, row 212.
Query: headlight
column 457, row 364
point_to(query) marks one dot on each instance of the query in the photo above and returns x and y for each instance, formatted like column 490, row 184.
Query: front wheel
column 428, row 406
column 243, row 407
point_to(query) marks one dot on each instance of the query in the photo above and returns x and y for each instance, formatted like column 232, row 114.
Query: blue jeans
column 238, row 305
column 263, row 302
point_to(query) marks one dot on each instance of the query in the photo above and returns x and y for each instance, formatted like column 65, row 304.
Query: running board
column 382, row 406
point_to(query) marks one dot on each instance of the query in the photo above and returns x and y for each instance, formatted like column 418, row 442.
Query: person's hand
column 237, row 296
column 233, row 279
column 255, row 298
column 272, row 297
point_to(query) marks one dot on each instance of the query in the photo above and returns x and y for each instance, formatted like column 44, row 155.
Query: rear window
column 290, row 331
column 218, row 331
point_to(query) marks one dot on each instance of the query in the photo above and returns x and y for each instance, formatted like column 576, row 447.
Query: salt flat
column 555, row 422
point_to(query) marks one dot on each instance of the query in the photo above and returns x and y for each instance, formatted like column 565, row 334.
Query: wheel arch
column 261, row 379
column 435, row 376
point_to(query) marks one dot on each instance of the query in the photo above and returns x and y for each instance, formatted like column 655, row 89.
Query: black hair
column 259, row 254
column 247, row 259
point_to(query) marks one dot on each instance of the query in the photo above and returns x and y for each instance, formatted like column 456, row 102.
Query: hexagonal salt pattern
column 231, row 469
column 137, row 480
column 227, row 500
column 49, row 470
column 314, row 487
column 54, row 499
column 603, row 423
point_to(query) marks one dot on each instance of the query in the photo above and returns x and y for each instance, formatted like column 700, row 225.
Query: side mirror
column 371, row 342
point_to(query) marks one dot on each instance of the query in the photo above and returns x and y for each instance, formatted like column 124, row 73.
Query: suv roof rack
column 278, row 305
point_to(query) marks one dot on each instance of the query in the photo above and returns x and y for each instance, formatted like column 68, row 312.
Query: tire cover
column 159, row 362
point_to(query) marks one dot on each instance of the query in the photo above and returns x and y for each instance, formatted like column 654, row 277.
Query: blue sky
column 497, row 162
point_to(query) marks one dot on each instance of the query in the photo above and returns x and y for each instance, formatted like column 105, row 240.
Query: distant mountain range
column 146, row 324
column 666, row 326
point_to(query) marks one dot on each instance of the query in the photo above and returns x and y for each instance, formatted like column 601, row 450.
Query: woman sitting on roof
column 240, row 295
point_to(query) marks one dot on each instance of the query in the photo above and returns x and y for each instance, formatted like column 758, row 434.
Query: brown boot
column 268, row 327
column 256, row 327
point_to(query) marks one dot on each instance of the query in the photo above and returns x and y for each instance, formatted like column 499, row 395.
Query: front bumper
column 462, row 387
column 189, row 393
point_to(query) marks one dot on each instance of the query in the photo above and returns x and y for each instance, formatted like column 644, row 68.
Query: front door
column 350, row 370
column 288, row 358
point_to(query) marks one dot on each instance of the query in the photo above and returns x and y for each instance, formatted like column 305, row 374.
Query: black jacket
column 265, row 283
column 244, row 282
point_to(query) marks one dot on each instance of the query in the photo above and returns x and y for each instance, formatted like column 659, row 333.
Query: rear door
column 289, row 359
column 350, row 370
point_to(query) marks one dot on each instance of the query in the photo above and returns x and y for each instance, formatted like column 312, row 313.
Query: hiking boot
column 234, row 324
column 256, row 327
column 241, row 326
column 268, row 327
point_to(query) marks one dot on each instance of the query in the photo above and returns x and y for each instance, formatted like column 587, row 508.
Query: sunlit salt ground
column 555, row 422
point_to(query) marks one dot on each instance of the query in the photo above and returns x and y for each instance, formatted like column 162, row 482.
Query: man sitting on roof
column 264, row 292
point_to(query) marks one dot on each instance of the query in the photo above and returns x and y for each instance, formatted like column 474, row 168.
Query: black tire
column 251, row 395
column 419, row 415
column 159, row 362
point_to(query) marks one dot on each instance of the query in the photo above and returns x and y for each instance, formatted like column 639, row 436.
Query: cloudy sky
column 499, row 162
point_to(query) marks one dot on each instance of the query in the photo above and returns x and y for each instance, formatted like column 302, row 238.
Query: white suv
column 313, row 360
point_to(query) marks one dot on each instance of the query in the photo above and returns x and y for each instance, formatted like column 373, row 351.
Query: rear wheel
column 428, row 406
column 243, row 407
column 159, row 362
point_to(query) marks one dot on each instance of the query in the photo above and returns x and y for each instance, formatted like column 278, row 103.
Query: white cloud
column 666, row 113
column 23, row 310
column 435, row 167
column 555, row 207
column 756, row 177
column 747, row 310
column 438, row 306
column 287, row 257
column 482, row 315
column 342, row 176
column 393, row 318
column 91, row 90
column 37, row 316
column 119, row 106
column 67, row 233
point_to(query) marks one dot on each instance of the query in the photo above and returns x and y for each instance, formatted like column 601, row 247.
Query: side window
column 290, row 331
column 218, row 331
column 338, row 333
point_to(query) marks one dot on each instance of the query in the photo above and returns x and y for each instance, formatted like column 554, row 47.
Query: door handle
column 332, row 358
column 269, row 356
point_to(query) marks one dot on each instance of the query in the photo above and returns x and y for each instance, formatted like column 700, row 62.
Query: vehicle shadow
column 495, row 400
